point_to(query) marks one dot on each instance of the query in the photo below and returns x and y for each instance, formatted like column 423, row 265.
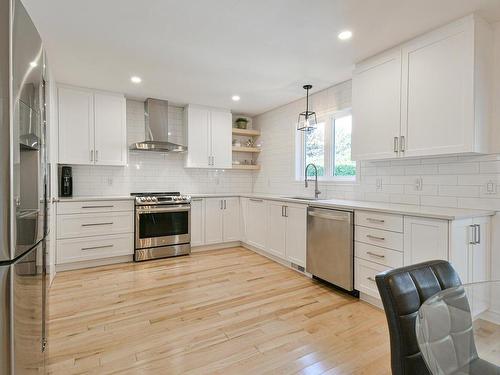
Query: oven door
column 162, row 225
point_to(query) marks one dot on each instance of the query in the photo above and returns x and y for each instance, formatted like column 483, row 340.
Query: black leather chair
column 403, row 291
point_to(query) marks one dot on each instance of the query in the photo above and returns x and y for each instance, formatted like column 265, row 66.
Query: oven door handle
column 179, row 208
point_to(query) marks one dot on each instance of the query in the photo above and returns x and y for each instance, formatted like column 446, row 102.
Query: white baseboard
column 94, row 263
column 371, row 300
column 274, row 258
column 216, row 246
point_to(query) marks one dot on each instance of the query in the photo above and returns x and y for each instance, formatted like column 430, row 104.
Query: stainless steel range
column 162, row 225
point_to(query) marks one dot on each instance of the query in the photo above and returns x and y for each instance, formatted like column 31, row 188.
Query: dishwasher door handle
column 329, row 216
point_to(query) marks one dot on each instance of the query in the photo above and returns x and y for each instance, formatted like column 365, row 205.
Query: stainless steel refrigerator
column 23, row 193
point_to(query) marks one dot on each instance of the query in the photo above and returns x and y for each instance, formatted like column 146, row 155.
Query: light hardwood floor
column 228, row 311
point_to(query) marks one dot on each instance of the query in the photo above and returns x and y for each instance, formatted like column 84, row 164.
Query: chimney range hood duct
column 156, row 119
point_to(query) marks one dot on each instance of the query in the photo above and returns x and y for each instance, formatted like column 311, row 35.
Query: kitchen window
column 328, row 147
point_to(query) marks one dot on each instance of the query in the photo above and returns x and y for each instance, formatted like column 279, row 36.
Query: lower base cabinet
column 94, row 230
column 215, row 220
column 464, row 243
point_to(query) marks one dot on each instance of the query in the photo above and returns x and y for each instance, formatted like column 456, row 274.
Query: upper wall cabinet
column 208, row 137
column 92, row 127
column 376, row 97
column 430, row 96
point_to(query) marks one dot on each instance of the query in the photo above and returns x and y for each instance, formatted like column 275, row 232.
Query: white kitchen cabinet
column 470, row 248
column 376, row 108
column 286, row 231
column 296, row 234
column 76, row 130
column 209, row 137
column 197, row 221
column 213, row 220
column 92, row 127
column 222, row 220
column 276, row 230
column 256, row 222
column 110, row 129
column 445, row 95
column 231, row 219
column 425, row 239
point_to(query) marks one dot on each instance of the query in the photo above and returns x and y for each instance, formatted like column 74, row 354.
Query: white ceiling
column 204, row 51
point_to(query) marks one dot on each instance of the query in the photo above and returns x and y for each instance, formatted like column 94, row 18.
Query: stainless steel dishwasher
column 330, row 246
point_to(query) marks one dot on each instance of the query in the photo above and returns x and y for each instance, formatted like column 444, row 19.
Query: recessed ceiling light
column 236, row 98
column 136, row 79
column 33, row 64
column 345, row 35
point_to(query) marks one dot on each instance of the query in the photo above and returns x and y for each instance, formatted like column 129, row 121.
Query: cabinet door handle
column 110, row 206
column 372, row 237
column 381, row 221
column 96, row 247
column 402, row 144
column 396, row 144
column 286, row 211
column 225, row 204
column 92, row 155
column 95, row 224
column 96, row 155
column 375, row 254
column 478, row 234
column 221, row 204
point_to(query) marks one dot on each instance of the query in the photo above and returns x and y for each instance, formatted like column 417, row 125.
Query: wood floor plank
column 228, row 311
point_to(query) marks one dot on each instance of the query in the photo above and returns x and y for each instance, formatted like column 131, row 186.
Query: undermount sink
column 303, row 198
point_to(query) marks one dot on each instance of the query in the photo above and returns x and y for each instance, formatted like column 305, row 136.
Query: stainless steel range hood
column 157, row 134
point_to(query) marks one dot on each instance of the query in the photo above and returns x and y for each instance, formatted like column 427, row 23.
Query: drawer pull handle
column 371, row 279
column 196, row 200
column 255, row 200
column 111, row 206
column 96, row 247
column 375, row 254
column 95, row 224
column 372, row 237
column 381, row 221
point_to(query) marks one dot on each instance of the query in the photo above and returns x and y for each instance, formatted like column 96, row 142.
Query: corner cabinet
column 92, row 127
column 209, row 138
column 430, row 96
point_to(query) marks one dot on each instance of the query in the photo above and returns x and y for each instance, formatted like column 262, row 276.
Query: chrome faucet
column 316, row 190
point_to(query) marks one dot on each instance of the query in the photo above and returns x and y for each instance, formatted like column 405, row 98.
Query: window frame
column 300, row 154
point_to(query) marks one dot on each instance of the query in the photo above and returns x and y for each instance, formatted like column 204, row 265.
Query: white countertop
column 443, row 213
column 401, row 209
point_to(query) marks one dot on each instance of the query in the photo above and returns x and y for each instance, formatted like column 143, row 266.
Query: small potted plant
column 241, row 123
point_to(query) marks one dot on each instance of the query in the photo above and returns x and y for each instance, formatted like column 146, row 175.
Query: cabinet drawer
column 83, row 225
column 379, row 220
column 64, row 208
column 364, row 279
column 79, row 249
column 377, row 237
column 380, row 255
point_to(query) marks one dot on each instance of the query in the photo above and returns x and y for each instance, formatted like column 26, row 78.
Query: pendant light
column 307, row 119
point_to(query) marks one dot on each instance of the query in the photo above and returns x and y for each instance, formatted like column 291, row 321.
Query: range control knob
column 148, row 199
column 154, row 199
column 143, row 199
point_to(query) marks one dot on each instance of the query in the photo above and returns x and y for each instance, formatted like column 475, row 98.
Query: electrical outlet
column 378, row 183
column 109, row 181
column 419, row 184
column 491, row 187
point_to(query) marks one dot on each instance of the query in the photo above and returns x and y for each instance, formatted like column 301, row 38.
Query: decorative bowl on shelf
column 241, row 123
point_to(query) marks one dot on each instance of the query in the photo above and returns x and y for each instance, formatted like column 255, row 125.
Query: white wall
column 149, row 171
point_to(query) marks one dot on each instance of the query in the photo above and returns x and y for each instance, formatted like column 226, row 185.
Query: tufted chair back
column 403, row 291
